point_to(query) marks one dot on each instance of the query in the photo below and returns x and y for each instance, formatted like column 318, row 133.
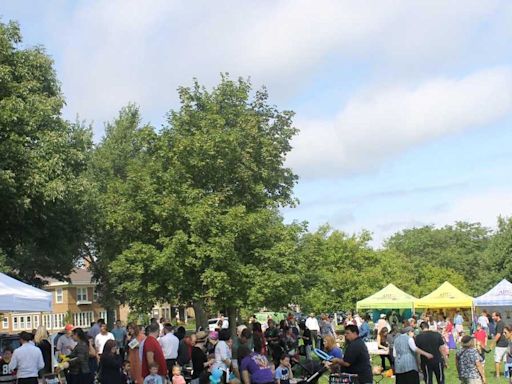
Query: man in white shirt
column 27, row 360
column 169, row 344
column 101, row 338
column 314, row 327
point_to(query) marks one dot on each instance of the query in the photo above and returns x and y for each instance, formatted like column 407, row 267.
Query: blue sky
column 404, row 107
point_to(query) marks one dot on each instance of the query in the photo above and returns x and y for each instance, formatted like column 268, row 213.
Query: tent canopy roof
column 16, row 296
column 389, row 297
column 499, row 296
column 446, row 296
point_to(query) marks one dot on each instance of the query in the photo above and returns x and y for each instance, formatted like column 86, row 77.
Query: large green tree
column 42, row 158
column 221, row 179
column 456, row 251
column 122, row 197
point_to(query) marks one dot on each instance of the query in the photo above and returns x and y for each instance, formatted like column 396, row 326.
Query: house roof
column 79, row 276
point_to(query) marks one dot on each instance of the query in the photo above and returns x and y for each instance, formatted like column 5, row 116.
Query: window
column 15, row 323
column 45, row 321
column 81, row 294
column 5, row 323
column 59, row 296
column 35, row 319
column 29, row 322
column 82, row 319
column 22, row 322
column 102, row 315
column 95, row 294
column 58, row 321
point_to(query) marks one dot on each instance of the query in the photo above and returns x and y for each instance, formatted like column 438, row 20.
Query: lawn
column 451, row 372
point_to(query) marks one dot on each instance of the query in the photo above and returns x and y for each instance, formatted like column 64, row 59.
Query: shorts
column 500, row 353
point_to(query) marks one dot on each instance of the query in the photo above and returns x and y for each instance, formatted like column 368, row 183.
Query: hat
column 382, row 316
column 466, row 341
column 69, row 327
column 311, row 314
column 214, row 335
column 201, row 336
column 407, row 329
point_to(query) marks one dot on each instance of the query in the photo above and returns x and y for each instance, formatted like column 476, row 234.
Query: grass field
column 451, row 372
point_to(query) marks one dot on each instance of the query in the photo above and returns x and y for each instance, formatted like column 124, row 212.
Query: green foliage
column 42, row 158
column 208, row 229
column 499, row 253
column 455, row 253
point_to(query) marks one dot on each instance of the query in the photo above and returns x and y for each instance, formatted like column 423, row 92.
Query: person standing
column 405, row 351
column 382, row 323
column 169, row 344
column 483, row 320
column 65, row 343
column 432, row 342
column 95, row 329
column 41, row 341
column 110, row 365
column 120, row 334
column 469, row 364
column 152, row 352
column 78, row 364
column 314, row 328
column 27, row 360
column 500, row 341
column 200, row 361
column 136, row 338
column 356, row 359
column 364, row 329
column 6, row 374
column 101, row 338
column 458, row 321
column 326, row 329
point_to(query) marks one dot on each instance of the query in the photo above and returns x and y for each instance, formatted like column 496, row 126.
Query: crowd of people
column 263, row 353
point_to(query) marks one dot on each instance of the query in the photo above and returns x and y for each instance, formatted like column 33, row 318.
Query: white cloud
column 116, row 51
column 376, row 125
column 482, row 206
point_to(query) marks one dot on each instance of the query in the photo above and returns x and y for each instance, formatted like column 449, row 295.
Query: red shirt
column 480, row 336
column 152, row 345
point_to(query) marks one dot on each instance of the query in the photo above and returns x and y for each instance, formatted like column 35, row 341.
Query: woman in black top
column 110, row 364
column 78, row 363
column 199, row 360
column 41, row 341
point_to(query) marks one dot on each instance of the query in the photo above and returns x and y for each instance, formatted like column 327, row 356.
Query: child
column 153, row 377
column 284, row 372
column 177, row 378
column 125, row 374
column 6, row 375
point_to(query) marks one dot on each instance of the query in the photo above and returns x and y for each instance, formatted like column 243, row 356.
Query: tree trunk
column 110, row 317
column 201, row 315
column 232, row 320
column 181, row 311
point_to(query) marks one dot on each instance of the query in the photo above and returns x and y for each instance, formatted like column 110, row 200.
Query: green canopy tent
column 389, row 297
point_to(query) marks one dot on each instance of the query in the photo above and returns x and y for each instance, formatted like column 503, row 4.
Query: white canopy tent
column 16, row 296
column 499, row 296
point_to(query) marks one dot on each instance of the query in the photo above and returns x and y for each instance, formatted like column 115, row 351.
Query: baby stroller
column 311, row 370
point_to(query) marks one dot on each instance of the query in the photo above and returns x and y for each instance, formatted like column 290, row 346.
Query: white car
column 212, row 324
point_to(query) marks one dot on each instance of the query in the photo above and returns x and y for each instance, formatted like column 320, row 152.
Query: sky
column 404, row 107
